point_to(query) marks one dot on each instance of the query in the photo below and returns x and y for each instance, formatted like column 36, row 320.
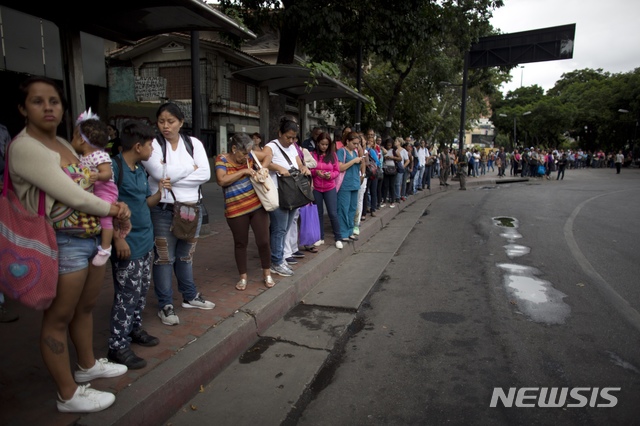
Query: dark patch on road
column 313, row 317
column 465, row 343
column 442, row 317
column 255, row 352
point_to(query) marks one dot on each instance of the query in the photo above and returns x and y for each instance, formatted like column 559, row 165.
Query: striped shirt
column 239, row 198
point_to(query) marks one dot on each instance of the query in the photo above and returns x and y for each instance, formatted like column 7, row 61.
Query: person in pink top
column 324, row 184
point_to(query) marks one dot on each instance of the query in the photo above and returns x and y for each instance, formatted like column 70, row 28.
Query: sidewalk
column 191, row 354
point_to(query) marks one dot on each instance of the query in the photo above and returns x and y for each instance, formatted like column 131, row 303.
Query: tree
column 403, row 44
column 584, row 104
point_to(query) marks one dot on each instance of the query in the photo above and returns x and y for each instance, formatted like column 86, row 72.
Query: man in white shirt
column 421, row 152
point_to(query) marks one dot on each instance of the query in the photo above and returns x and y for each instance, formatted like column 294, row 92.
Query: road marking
column 612, row 296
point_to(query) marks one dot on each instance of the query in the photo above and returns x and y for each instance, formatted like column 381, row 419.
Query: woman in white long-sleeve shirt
column 187, row 171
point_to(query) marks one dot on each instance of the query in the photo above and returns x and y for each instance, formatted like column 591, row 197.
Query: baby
column 90, row 139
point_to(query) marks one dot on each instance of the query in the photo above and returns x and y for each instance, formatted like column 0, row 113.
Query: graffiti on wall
column 186, row 109
column 150, row 88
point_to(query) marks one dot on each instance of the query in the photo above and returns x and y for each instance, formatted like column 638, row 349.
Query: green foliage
column 407, row 47
column 584, row 104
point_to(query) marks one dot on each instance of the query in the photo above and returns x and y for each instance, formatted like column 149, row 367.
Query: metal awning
column 128, row 21
column 297, row 82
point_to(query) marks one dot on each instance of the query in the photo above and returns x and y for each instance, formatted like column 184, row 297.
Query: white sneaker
column 356, row 230
column 339, row 245
column 86, row 400
column 318, row 243
column 168, row 316
column 102, row 368
column 198, row 302
column 282, row 269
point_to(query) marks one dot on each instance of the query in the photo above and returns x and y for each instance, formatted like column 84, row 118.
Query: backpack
column 118, row 160
column 187, row 143
column 163, row 145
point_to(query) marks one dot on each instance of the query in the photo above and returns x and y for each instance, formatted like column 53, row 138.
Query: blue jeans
column 417, row 179
column 399, row 183
column 74, row 253
column 330, row 198
column 171, row 255
column 281, row 221
column 347, row 206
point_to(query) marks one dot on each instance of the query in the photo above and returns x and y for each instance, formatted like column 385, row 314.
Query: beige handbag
column 265, row 190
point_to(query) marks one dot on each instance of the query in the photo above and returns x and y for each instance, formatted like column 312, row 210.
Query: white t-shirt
column 280, row 160
column 404, row 155
column 422, row 155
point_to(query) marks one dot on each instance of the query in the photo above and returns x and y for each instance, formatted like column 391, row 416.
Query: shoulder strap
column 8, row 186
column 188, row 143
column 163, row 144
column 284, row 153
column 118, row 160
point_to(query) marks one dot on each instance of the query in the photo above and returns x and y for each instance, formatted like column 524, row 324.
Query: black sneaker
column 125, row 356
column 142, row 338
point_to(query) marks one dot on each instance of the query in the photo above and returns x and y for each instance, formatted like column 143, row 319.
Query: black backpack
column 163, row 145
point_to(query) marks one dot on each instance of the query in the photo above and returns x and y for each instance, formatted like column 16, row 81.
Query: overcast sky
column 607, row 36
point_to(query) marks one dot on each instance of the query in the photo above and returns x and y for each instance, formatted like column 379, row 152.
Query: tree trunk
column 288, row 36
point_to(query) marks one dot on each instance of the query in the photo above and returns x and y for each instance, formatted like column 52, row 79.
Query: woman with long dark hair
column 183, row 159
column 39, row 160
column 348, row 194
column 324, row 185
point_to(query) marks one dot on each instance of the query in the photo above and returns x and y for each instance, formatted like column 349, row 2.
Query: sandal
column 241, row 285
column 312, row 249
column 269, row 282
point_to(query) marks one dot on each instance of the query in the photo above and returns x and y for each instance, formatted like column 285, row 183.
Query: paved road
column 519, row 285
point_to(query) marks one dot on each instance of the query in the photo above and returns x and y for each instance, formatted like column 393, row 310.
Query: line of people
column 120, row 207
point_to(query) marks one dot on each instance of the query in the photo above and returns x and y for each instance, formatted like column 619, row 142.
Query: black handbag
column 294, row 190
column 390, row 170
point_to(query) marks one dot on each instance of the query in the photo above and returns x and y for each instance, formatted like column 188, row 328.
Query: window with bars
column 178, row 81
column 178, row 77
column 237, row 91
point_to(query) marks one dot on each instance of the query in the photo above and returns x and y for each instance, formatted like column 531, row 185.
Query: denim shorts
column 75, row 253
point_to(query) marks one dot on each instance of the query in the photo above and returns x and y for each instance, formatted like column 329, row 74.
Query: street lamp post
column 515, row 134
column 635, row 130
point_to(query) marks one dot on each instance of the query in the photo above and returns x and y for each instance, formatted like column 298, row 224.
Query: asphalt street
column 503, row 286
